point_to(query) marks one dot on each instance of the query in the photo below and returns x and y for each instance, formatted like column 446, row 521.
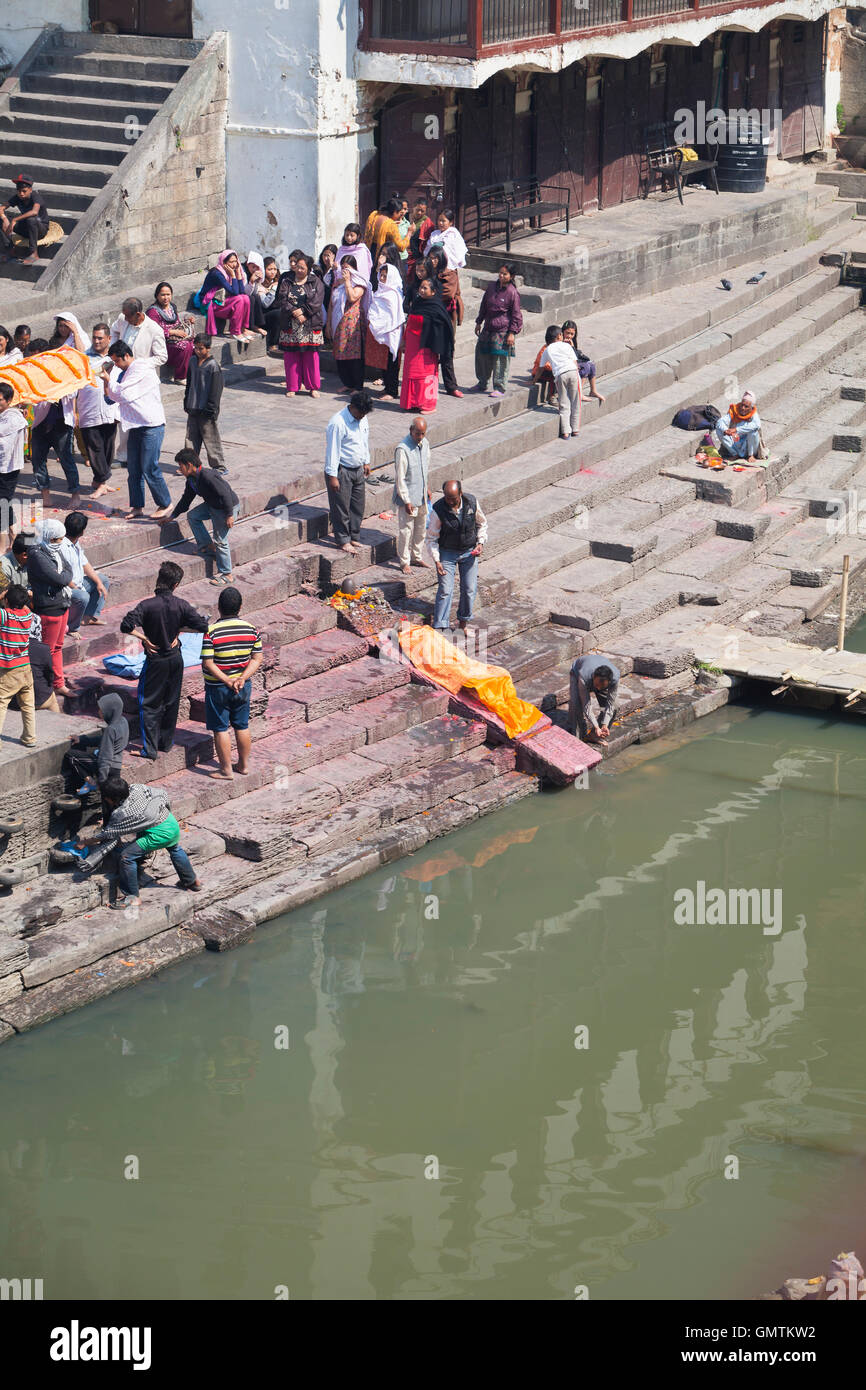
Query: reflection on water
column 290, row 1104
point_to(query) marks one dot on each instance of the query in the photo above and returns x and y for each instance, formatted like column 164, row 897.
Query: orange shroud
column 434, row 656
column 48, row 376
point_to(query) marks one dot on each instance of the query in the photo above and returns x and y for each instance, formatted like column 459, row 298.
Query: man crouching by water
column 592, row 698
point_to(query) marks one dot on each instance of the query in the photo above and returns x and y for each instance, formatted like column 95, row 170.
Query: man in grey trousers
column 592, row 697
column 411, row 494
column 201, row 401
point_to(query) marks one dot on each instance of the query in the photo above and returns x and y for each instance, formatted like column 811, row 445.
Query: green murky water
column 431, row 1013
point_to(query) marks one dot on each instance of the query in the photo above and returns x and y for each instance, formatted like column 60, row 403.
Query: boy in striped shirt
column 16, row 677
column 231, row 653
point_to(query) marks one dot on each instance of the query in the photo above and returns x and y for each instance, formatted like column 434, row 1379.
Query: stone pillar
column 836, row 29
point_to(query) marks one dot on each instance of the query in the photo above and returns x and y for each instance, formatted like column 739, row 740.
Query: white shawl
column 386, row 317
column 70, row 318
column 452, row 243
column 362, row 256
column 338, row 297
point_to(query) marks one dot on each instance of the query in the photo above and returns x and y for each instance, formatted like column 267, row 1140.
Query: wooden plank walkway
column 783, row 663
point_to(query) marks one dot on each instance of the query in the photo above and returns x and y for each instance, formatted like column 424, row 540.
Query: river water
column 385, row 1096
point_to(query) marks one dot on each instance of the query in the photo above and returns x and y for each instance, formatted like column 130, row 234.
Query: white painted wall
column 21, row 21
column 291, row 139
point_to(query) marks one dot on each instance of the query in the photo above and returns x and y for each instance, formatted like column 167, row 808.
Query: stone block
column 622, row 547
column 335, row 690
column 814, row 577
column 742, row 526
column 709, row 701
column 444, row 818
column 501, row 791
column 556, row 756
column 436, row 741
column 584, row 611
column 223, row 928
column 10, row 987
column 662, row 662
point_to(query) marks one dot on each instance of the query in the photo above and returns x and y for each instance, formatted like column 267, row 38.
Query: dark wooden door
column 158, row 18
column 814, row 95
column 502, row 132
column 475, row 153
column 613, row 139
column 793, row 63
column 560, row 126
column 592, row 118
column 411, row 147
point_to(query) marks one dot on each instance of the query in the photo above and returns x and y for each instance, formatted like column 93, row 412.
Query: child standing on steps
column 585, row 366
column 560, row 358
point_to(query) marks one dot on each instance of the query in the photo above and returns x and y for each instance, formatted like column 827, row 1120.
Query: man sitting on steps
column 143, row 812
column 29, row 219
column 592, row 698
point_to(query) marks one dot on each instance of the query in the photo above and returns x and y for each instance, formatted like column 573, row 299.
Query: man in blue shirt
column 347, row 463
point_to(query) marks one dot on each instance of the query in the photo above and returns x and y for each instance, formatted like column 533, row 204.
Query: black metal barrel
column 742, row 162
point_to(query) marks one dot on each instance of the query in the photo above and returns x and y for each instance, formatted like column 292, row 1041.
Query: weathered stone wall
column 164, row 214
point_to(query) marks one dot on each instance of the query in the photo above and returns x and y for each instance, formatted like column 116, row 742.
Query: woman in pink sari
column 225, row 296
column 429, row 336
column 178, row 329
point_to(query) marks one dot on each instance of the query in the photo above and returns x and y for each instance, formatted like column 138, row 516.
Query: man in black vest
column 456, row 533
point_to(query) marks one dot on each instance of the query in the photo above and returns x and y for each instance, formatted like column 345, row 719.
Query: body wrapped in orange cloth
column 433, row 655
column 49, row 376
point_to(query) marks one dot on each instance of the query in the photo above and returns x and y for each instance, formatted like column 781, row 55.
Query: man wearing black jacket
column 156, row 622
column 219, row 505
column 201, row 401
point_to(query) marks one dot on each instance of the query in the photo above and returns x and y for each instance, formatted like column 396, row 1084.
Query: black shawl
column 437, row 332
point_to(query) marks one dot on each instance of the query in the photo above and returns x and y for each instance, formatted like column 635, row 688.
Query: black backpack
column 696, row 417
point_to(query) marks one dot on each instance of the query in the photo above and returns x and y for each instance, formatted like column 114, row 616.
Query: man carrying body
column 97, row 417
column 157, row 622
column 29, row 218
column 147, row 343
column 135, row 388
column 347, row 464
column 411, row 494
column 456, row 535
column 592, row 693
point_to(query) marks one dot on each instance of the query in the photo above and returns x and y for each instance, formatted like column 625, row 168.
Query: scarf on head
column 339, row 302
column 52, row 531
column 387, row 317
column 362, row 256
column 69, row 317
column 738, row 415
column 221, row 267
column 452, row 244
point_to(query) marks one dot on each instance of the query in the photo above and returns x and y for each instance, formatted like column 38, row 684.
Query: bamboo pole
column 843, row 606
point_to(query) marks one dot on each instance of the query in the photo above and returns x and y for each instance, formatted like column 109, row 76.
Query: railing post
column 476, row 27
column 627, row 11
column 556, row 17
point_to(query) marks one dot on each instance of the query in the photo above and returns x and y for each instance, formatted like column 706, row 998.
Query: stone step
column 89, row 113
column 72, row 174
column 109, row 67
column 85, row 85
column 67, row 149
column 69, row 197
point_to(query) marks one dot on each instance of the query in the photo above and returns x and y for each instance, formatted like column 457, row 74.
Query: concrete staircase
column 612, row 541
column 81, row 106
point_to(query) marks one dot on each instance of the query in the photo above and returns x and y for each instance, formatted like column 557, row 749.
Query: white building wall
column 291, row 137
column 22, row 21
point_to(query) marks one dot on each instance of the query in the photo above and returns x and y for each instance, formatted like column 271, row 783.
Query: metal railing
column 417, row 22
column 590, row 14
column 506, row 20
column 646, row 9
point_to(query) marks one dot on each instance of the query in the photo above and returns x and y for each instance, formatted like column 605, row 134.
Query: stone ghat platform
column 613, row 541
column 811, row 676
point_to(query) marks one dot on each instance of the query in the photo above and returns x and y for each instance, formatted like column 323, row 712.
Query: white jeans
column 568, row 396
column 410, row 533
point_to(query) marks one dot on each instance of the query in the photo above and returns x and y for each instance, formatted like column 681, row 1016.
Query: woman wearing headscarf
column 447, row 236
column 354, row 246
column 254, row 272
column 68, row 332
column 499, row 320
column 224, row 296
column 385, row 322
column 49, row 577
column 428, row 337
column 299, row 298
column 178, row 329
column 324, row 268
column 350, row 303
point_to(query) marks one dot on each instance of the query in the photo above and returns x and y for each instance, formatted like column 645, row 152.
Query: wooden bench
column 664, row 159
column 528, row 200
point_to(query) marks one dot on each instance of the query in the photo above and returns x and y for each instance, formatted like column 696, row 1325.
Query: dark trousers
column 158, row 698
column 351, row 373
column 391, row 376
column 58, row 437
column 32, row 227
column 201, row 430
column 449, row 379
column 127, row 869
column 99, row 443
column 347, row 504
column 272, row 324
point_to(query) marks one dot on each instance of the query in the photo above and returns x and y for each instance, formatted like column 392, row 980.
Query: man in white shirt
column 89, row 591
column 411, row 494
column 95, row 416
column 560, row 357
column 13, row 431
column 134, row 386
column 347, row 463
column 148, row 344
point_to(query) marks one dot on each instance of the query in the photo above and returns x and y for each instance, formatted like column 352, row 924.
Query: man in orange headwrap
column 739, row 431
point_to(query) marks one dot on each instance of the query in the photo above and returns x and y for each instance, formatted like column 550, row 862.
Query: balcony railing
column 470, row 28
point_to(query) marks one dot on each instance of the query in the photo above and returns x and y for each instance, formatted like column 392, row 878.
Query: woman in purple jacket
column 499, row 320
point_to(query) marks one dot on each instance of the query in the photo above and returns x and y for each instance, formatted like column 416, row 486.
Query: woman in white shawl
column 385, row 323
column 353, row 246
column 9, row 353
column 69, row 332
column 347, row 315
column 447, row 236
column 255, row 274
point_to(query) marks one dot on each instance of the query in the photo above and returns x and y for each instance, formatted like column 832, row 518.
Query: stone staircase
column 613, row 541
column 81, row 105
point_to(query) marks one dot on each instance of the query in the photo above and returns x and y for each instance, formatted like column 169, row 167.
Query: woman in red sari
column 429, row 336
